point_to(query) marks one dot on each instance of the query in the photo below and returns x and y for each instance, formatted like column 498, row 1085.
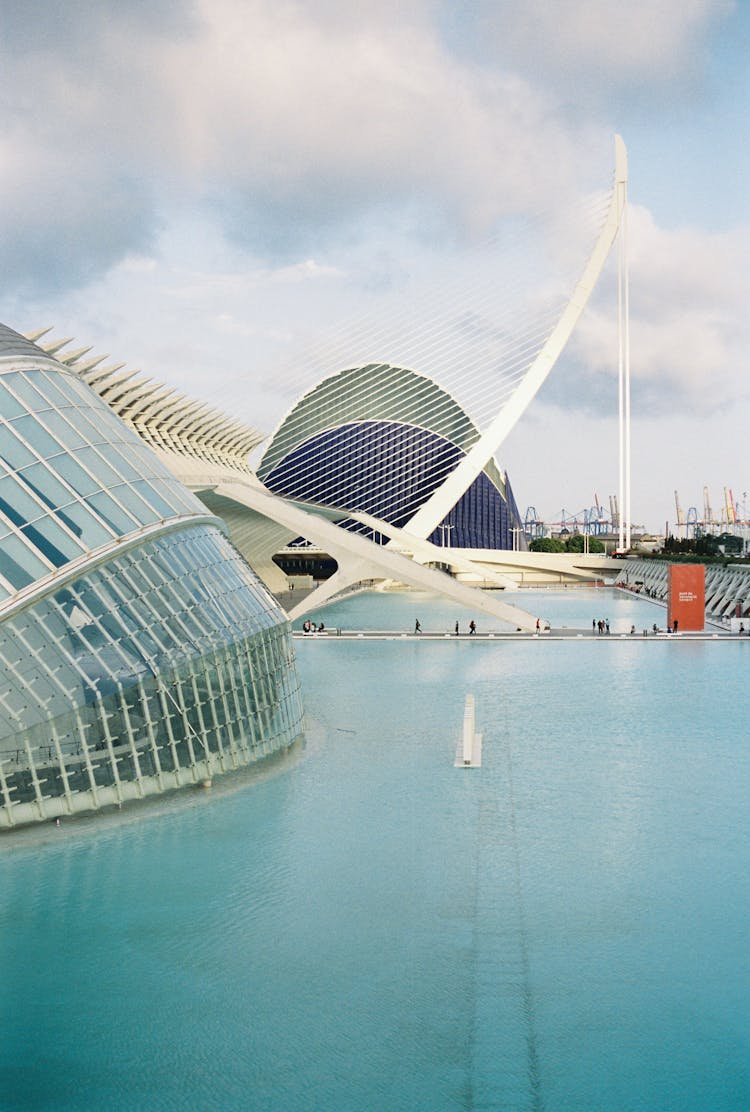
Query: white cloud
column 651, row 41
column 689, row 326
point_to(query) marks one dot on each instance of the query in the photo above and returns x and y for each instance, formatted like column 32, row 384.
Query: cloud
column 290, row 124
column 689, row 330
column 603, row 42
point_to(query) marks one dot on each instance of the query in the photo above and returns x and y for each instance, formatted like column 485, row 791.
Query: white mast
column 623, row 329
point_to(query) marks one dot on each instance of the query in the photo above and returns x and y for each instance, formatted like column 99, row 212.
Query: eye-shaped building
column 139, row 651
column 381, row 440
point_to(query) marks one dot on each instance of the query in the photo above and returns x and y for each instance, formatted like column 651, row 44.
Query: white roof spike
column 70, row 357
column 37, row 334
column 54, row 346
column 89, row 364
column 103, row 372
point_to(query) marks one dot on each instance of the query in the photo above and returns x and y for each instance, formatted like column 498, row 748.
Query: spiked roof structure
column 161, row 415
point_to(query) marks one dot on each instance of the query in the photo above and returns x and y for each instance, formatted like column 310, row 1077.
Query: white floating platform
column 475, row 756
column 469, row 750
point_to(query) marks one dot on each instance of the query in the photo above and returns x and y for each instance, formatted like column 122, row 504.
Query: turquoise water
column 572, row 608
column 370, row 928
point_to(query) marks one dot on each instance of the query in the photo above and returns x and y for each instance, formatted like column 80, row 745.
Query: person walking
column 456, row 629
column 417, row 627
column 472, row 626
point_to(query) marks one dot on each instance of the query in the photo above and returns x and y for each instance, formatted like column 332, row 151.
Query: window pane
column 74, row 475
column 96, row 465
column 13, row 452
column 9, row 407
column 135, row 505
column 92, row 531
column 19, row 565
column 52, row 541
column 34, row 400
column 36, row 437
column 62, row 429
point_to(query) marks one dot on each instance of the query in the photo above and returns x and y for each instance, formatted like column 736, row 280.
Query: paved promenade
column 562, row 634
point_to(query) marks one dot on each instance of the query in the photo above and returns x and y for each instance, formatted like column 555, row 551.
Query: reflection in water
column 370, row 928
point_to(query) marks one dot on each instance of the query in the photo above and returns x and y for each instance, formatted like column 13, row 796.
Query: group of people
column 311, row 627
column 472, row 627
column 600, row 625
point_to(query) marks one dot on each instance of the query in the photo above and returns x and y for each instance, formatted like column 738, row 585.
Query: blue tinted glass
column 163, row 508
column 181, row 497
column 141, row 458
column 41, row 482
column 74, row 388
column 90, row 528
column 50, row 383
column 61, row 428
column 12, row 451
column 75, row 476
column 91, row 460
column 21, row 386
column 120, row 462
column 52, row 541
column 92, row 425
column 16, row 503
column 19, row 565
column 110, row 513
column 9, row 406
column 36, row 437
column 142, row 512
column 79, row 418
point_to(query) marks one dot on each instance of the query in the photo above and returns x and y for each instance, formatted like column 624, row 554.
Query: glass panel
column 62, row 429
column 52, row 385
column 41, row 482
column 20, row 385
column 110, row 513
column 73, row 473
column 9, row 406
column 17, row 504
column 52, row 541
column 91, row 460
column 135, row 505
column 36, row 437
column 12, row 451
column 19, row 565
column 119, row 462
column 90, row 528
column 163, row 508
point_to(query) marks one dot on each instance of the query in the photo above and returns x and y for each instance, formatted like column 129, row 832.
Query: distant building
column 140, row 653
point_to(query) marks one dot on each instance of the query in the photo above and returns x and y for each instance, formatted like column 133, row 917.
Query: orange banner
column 686, row 596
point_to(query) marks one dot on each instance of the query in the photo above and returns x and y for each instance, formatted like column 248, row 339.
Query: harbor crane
column 680, row 523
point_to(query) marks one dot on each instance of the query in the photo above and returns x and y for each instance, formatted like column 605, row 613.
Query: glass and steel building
column 381, row 440
column 140, row 653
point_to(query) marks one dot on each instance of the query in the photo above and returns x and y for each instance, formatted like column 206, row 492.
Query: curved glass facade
column 140, row 652
column 73, row 476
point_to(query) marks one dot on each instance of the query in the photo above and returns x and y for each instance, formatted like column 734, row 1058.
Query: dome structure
column 140, row 651
column 379, row 440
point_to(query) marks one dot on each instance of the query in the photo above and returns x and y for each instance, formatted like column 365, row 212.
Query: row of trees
column 705, row 544
column 574, row 543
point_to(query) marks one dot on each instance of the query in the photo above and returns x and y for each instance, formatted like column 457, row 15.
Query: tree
column 577, row 543
column 546, row 544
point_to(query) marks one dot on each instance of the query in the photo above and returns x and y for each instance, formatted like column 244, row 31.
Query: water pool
column 370, row 928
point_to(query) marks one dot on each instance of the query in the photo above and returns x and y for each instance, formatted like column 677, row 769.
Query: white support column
column 623, row 357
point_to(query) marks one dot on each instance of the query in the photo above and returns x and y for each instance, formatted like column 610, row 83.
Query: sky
column 205, row 188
